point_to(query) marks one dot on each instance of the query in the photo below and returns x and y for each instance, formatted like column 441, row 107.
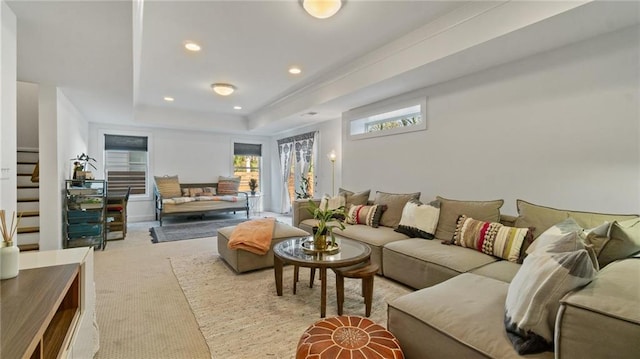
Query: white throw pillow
column 333, row 202
column 559, row 264
column 419, row 220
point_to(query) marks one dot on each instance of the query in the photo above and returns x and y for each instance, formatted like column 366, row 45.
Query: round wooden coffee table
column 290, row 251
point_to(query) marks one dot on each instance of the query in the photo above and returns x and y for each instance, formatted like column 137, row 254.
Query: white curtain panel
column 298, row 150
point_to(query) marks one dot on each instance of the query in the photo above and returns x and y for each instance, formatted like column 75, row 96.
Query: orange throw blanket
column 253, row 236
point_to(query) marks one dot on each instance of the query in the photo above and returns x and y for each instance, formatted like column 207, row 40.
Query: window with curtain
column 247, row 162
column 297, row 156
column 126, row 163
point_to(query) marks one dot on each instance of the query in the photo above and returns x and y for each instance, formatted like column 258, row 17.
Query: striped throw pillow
column 228, row 185
column 491, row 238
column 367, row 215
column 168, row 186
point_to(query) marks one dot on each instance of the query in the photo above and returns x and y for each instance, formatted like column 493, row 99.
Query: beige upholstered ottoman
column 243, row 261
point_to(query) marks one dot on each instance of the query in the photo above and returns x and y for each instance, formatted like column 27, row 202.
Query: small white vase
column 9, row 261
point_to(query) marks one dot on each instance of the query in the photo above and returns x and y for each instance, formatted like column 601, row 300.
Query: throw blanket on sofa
column 253, row 236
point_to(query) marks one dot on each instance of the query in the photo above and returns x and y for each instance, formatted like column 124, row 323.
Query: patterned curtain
column 299, row 150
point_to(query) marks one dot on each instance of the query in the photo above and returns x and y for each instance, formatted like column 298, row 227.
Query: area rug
column 241, row 316
column 177, row 232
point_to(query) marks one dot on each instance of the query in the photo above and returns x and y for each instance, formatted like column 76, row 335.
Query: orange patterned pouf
column 348, row 337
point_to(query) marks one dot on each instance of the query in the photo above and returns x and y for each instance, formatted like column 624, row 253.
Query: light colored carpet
column 241, row 316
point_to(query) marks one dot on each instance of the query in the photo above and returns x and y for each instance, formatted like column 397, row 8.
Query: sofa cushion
column 500, row 270
column 419, row 219
column 451, row 209
column 456, row 258
column 395, row 204
column 228, row 185
column 367, row 215
column 468, row 309
column 168, row 186
column 491, row 238
column 351, row 197
column 541, row 217
column 547, row 274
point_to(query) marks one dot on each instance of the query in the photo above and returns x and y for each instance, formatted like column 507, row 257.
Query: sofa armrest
column 300, row 212
column 602, row 319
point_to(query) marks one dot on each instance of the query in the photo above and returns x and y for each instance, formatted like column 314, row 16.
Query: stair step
column 28, row 199
column 28, row 238
column 29, row 247
column 23, row 174
column 28, row 230
column 30, row 213
column 27, row 162
column 27, row 187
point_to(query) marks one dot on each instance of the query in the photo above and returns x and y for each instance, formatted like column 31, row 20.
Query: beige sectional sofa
column 458, row 308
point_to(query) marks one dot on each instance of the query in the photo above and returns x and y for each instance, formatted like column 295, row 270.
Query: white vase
column 9, row 260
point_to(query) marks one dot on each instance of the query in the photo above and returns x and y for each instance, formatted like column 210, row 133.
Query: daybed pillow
column 168, row 186
column 228, row 185
column 352, row 198
column 419, row 220
column 534, row 294
column 450, row 210
column 491, row 238
column 368, row 215
column 395, row 204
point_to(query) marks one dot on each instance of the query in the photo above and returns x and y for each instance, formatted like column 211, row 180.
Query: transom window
column 387, row 119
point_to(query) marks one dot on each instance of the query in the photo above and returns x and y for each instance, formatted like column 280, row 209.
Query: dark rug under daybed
column 200, row 229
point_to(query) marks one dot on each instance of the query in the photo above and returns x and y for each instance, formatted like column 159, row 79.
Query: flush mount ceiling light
column 192, row 46
column 322, row 9
column 223, row 89
column 294, row 70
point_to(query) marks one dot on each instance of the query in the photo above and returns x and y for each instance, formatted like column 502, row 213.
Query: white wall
column 195, row 156
column 329, row 139
column 27, row 115
column 63, row 133
column 559, row 129
column 8, row 165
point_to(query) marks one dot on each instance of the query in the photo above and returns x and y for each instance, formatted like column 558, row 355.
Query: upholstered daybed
column 174, row 198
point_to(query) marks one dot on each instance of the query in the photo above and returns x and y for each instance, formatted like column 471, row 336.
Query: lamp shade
column 322, row 9
column 223, row 89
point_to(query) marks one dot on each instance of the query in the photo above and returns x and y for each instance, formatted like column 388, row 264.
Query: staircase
column 28, row 201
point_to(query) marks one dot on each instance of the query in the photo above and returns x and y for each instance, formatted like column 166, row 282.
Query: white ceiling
column 369, row 51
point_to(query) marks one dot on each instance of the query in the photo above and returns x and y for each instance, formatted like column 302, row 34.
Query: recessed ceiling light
column 237, row 107
column 192, row 46
column 168, row 99
column 294, row 70
column 223, row 89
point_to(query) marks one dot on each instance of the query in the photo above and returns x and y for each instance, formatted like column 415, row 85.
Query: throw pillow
column 185, row 192
column 623, row 240
column 193, row 191
column 332, row 202
column 368, row 215
column 419, row 220
column 491, row 238
column 352, row 198
column 228, row 185
column 534, row 294
column 168, row 186
column 450, row 210
column 395, row 204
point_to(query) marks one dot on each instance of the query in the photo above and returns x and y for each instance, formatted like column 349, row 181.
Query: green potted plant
column 327, row 223
column 253, row 184
column 80, row 166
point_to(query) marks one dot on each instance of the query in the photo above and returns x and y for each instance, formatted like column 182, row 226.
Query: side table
column 254, row 204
